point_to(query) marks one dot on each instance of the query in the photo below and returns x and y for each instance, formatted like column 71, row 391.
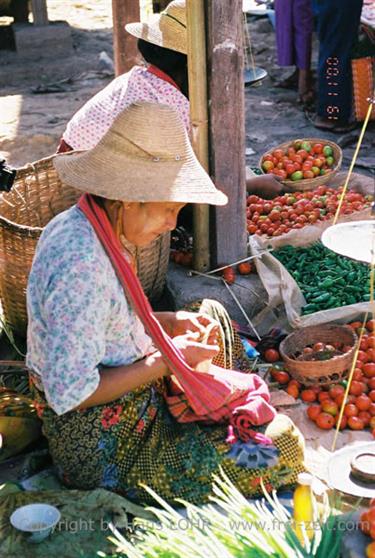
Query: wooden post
column 227, row 127
column 124, row 45
column 195, row 18
column 40, row 14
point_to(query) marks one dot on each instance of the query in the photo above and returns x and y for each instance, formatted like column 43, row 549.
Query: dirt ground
column 31, row 123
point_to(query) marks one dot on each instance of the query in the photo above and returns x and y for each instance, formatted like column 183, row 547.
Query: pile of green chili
column 326, row 279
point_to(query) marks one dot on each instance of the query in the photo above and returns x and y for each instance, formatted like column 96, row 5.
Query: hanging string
column 248, row 47
column 354, row 159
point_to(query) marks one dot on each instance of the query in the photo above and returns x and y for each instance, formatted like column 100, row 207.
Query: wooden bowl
column 309, row 183
column 323, row 372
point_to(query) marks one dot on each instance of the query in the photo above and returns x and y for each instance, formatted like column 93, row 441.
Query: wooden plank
column 124, row 44
column 195, row 16
column 40, row 14
column 227, row 126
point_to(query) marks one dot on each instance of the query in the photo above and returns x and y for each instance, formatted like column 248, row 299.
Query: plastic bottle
column 304, row 505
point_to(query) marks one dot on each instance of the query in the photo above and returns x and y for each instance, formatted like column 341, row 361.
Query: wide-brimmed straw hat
column 145, row 156
column 167, row 29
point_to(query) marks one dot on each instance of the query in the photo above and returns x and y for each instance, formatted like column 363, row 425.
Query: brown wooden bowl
column 309, row 183
column 324, row 372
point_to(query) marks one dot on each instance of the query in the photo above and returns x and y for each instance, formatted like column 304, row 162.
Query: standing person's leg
column 338, row 22
column 285, row 40
column 284, row 32
column 302, row 33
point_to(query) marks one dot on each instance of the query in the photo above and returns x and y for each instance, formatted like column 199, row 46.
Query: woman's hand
column 180, row 323
column 195, row 352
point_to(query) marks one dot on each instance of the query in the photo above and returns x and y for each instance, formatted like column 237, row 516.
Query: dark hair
column 169, row 61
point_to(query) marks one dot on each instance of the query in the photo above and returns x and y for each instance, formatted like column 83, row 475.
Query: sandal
column 334, row 127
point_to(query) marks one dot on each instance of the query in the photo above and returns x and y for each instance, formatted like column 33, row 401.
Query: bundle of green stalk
column 326, row 279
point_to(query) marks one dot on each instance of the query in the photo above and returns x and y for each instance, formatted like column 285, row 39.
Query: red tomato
column 282, row 377
column 350, row 410
column 251, row 229
column 271, row 355
column 370, row 325
column 229, row 275
column 308, row 395
column 293, row 391
column 371, row 383
column 308, row 174
column 362, row 356
column 302, row 153
column 289, row 168
column 355, row 423
column 278, row 153
column 317, row 148
column 356, row 388
column 335, row 391
column 365, row 417
column 363, row 402
column 313, row 411
column 369, row 369
column 323, row 395
column 325, row 421
column 318, row 162
column 245, row 268
column 372, row 395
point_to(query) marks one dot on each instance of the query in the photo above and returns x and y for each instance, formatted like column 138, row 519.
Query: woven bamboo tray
column 36, row 197
column 309, row 183
column 324, row 372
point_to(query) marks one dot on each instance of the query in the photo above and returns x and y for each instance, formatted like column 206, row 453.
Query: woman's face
column 144, row 222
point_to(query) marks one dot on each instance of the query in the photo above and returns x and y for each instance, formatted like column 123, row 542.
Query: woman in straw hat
column 121, row 406
column 164, row 79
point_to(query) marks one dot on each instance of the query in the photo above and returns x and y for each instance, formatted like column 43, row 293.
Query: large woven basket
column 324, row 372
column 36, row 197
column 309, row 183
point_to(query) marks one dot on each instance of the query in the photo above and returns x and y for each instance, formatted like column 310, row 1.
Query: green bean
column 326, row 279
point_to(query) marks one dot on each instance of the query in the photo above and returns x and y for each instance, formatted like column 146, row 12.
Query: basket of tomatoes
column 303, row 164
column 319, row 355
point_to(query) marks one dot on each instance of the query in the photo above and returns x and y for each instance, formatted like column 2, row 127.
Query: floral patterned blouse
column 79, row 317
column 92, row 121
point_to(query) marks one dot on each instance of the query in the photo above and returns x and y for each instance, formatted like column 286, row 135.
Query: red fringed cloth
column 220, row 395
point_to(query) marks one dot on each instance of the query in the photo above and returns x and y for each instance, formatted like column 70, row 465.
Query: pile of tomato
column 296, row 210
column 367, row 525
column 326, row 402
column 300, row 160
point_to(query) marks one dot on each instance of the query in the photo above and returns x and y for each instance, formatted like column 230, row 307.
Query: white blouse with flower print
column 79, row 317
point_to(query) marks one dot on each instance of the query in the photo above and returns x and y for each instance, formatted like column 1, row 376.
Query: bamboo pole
column 196, row 35
column 124, row 45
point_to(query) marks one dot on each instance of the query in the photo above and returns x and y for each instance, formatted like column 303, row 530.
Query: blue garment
column 337, row 26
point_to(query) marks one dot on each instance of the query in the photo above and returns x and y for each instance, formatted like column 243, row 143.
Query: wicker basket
column 323, row 372
column 36, row 197
column 309, row 183
column 363, row 86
